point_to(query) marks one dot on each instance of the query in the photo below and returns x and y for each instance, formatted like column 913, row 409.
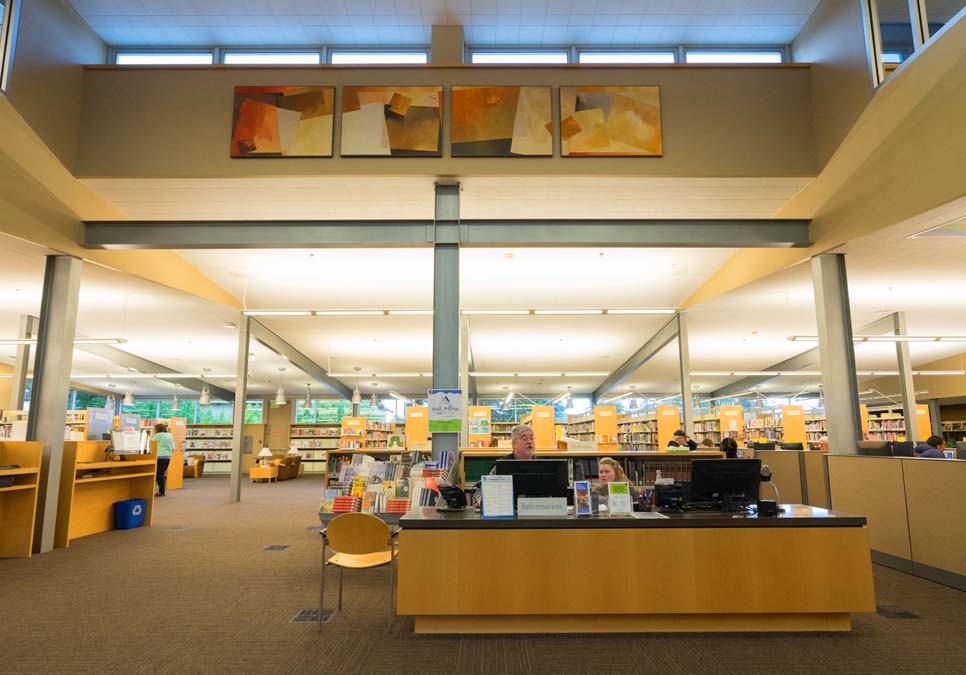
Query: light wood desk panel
column 786, row 475
column 815, row 479
column 934, row 501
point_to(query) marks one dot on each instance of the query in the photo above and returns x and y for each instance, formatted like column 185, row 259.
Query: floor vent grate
column 275, row 547
column 312, row 615
column 893, row 612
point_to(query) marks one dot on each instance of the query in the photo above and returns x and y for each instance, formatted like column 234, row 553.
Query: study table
column 806, row 570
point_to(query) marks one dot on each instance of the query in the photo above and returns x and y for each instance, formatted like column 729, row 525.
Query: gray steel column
column 935, row 416
column 684, row 365
column 238, row 416
column 836, row 352
column 18, row 386
column 907, row 387
column 51, row 385
column 465, row 379
column 446, row 303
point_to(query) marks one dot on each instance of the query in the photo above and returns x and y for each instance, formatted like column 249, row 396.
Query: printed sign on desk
column 619, row 498
column 445, row 410
column 497, row 493
column 582, row 504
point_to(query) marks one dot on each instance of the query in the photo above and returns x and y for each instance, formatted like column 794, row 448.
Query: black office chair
column 764, row 446
column 903, row 449
column 792, row 446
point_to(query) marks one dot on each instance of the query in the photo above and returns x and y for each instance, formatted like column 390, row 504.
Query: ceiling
column 372, row 23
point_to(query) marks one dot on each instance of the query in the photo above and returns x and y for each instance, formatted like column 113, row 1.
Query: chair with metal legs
column 361, row 541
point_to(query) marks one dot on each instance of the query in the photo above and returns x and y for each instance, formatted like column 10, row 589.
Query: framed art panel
column 282, row 122
column 501, row 121
column 392, row 121
column 610, row 122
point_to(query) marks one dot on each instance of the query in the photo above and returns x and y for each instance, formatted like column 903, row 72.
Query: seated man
column 932, row 448
column 523, row 442
column 681, row 440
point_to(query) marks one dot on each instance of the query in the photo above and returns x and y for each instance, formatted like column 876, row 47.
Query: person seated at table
column 823, row 444
column 523, row 443
column 932, row 448
column 729, row 447
column 610, row 471
column 706, row 442
column 681, row 440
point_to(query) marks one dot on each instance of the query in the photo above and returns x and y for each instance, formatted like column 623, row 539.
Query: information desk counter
column 806, row 570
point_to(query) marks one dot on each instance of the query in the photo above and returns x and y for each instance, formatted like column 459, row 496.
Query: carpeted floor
column 197, row 593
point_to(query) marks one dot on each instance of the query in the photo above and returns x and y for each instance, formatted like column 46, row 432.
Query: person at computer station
column 932, row 448
column 523, row 442
column 729, row 447
column 610, row 471
column 681, row 440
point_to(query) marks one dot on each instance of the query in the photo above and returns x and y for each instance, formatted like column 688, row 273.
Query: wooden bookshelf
column 637, row 434
column 18, row 502
column 334, row 459
column 212, row 442
column 313, row 440
column 86, row 503
column 641, row 467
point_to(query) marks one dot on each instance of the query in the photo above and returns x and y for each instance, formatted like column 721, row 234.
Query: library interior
column 628, row 338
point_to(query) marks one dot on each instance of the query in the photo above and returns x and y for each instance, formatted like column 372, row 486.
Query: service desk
column 806, row 570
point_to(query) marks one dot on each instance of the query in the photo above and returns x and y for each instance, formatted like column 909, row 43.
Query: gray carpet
column 197, row 593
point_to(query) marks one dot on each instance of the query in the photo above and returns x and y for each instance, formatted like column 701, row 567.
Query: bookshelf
column 814, row 429
column 501, row 432
column 580, row 428
column 726, row 420
column 337, row 459
column 313, row 440
column 211, row 441
column 641, row 467
column 766, row 427
column 954, row 431
column 18, row 501
column 637, row 434
column 89, row 486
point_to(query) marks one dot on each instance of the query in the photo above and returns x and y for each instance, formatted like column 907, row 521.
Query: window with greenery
column 84, row 400
column 254, row 412
column 215, row 413
column 146, row 408
column 185, row 409
column 323, row 411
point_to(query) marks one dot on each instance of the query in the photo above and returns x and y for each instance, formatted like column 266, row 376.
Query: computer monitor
column 764, row 446
column 792, row 446
column 725, row 483
column 126, row 442
column 875, row 448
column 903, row 449
column 536, row 477
column 960, row 450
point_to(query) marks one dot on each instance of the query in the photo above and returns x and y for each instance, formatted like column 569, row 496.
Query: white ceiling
column 200, row 23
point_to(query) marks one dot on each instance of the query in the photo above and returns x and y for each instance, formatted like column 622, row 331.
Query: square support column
column 238, row 416
column 836, row 352
column 51, row 386
column 446, row 303
column 18, row 386
column 907, row 387
column 684, row 370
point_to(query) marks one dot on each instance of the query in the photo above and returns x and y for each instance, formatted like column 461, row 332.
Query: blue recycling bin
column 129, row 513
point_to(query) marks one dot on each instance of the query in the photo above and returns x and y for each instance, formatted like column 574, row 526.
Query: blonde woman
column 610, row 471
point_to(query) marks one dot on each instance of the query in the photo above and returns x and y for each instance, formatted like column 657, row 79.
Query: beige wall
column 46, row 83
column 730, row 121
column 938, row 386
column 832, row 41
column 6, row 386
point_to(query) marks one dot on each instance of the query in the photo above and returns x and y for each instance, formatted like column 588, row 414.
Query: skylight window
column 519, row 57
column 707, row 56
column 891, row 57
column 273, row 58
column 163, row 59
column 626, row 57
column 378, row 58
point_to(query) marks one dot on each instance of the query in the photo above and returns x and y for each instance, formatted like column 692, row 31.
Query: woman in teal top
column 165, row 446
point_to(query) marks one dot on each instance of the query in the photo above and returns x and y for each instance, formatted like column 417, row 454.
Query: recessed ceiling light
column 228, row 324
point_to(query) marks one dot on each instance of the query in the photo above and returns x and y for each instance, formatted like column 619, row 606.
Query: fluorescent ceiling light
column 400, row 397
column 77, row 341
column 939, row 372
column 567, row 312
column 349, row 312
column 380, row 375
column 410, row 312
column 617, row 398
column 492, row 374
column 595, row 374
column 898, row 338
column 888, row 338
column 508, row 397
column 277, row 312
column 756, row 373
column 640, row 311
column 495, row 312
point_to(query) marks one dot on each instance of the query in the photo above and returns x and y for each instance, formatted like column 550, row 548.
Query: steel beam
column 767, row 233
column 837, row 352
column 238, row 413
column 446, row 303
column 684, row 367
column 907, row 387
column 142, row 365
column 271, row 340
column 51, row 385
column 658, row 341
column 18, row 386
column 798, row 362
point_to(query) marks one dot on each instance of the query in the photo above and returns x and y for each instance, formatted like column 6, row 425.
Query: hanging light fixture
column 280, row 394
column 111, row 402
column 356, row 396
column 129, row 395
column 175, row 403
column 205, row 397
column 308, row 396
column 374, row 400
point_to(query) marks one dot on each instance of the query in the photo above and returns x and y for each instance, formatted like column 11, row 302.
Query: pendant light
column 280, row 394
column 308, row 396
column 356, row 396
column 205, row 397
column 175, row 403
column 374, row 400
column 129, row 395
column 111, row 402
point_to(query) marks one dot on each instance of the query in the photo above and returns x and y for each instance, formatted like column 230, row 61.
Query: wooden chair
column 361, row 541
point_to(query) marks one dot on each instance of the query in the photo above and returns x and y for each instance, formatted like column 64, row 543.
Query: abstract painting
column 610, row 122
column 283, row 122
column 392, row 121
column 501, row 122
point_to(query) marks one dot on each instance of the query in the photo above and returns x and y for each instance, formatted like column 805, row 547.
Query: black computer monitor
column 536, row 477
column 875, row 448
column 764, row 446
column 725, row 483
column 792, row 446
column 960, row 450
column 903, row 449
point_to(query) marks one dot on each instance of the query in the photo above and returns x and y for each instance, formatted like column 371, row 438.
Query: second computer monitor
column 725, row 482
column 536, row 477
